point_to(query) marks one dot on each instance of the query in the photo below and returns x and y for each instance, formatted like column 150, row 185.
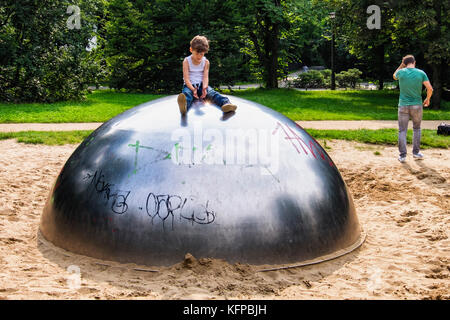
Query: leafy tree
column 425, row 32
column 146, row 42
column 407, row 26
column 262, row 22
column 372, row 47
column 41, row 59
column 279, row 33
column 305, row 40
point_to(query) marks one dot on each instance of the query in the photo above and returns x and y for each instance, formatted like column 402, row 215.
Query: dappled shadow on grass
column 121, row 98
column 334, row 105
column 320, row 105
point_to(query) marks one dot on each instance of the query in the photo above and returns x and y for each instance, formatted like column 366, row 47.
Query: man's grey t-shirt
column 410, row 81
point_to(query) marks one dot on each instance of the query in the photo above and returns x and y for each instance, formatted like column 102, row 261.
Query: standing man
column 410, row 103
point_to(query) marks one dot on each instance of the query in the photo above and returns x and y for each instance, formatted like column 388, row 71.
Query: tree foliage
column 407, row 27
column 41, row 59
column 147, row 41
column 425, row 32
column 373, row 48
column 141, row 43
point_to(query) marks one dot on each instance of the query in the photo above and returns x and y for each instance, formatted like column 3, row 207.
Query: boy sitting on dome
column 196, row 77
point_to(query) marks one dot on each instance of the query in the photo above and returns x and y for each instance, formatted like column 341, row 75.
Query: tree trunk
column 271, row 47
column 437, row 86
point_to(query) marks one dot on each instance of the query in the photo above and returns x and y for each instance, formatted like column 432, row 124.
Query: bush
column 310, row 79
column 326, row 73
column 327, row 77
column 348, row 78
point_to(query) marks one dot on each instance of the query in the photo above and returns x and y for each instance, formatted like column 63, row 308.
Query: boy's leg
column 185, row 99
column 220, row 100
column 403, row 119
column 416, row 117
column 189, row 96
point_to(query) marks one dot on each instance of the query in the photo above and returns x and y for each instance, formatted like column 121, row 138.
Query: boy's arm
column 186, row 77
column 205, row 79
column 401, row 66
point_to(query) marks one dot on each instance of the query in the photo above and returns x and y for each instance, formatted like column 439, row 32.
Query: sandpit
column 403, row 208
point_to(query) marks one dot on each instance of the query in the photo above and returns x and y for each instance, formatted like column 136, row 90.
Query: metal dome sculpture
column 149, row 186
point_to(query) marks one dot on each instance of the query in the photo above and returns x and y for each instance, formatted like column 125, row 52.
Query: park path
column 338, row 125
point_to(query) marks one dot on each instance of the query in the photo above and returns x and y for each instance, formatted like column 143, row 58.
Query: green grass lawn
column 99, row 106
column 103, row 105
column 335, row 105
column 50, row 138
column 382, row 137
column 430, row 139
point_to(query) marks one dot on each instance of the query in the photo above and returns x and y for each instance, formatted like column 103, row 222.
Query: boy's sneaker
column 182, row 103
column 402, row 159
column 418, row 156
column 229, row 107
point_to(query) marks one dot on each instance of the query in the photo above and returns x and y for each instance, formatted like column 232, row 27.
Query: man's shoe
column 229, row 107
column 402, row 159
column 418, row 156
column 182, row 103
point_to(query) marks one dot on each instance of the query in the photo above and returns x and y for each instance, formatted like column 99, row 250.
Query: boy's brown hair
column 408, row 59
column 200, row 44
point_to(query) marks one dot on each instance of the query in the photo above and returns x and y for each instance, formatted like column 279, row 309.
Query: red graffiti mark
column 290, row 138
column 322, row 155
column 293, row 137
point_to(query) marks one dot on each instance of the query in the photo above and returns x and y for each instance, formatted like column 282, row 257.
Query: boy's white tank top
column 196, row 71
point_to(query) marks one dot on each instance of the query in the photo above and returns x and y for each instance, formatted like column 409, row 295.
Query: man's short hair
column 200, row 44
column 408, row 59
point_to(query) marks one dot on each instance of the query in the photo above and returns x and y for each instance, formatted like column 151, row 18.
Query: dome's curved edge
column 337, row 254
column 111, row 263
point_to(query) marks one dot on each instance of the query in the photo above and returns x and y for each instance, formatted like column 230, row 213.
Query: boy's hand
column 203, row 93
column 426, row 103
column 195, row 94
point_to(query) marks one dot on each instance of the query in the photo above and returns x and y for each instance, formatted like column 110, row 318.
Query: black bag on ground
column 444, row 129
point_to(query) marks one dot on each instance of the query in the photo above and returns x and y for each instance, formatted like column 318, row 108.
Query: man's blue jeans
column 404, row 113
column 211, row 94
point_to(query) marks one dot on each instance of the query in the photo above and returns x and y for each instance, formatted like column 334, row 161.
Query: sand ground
column 403, row 208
